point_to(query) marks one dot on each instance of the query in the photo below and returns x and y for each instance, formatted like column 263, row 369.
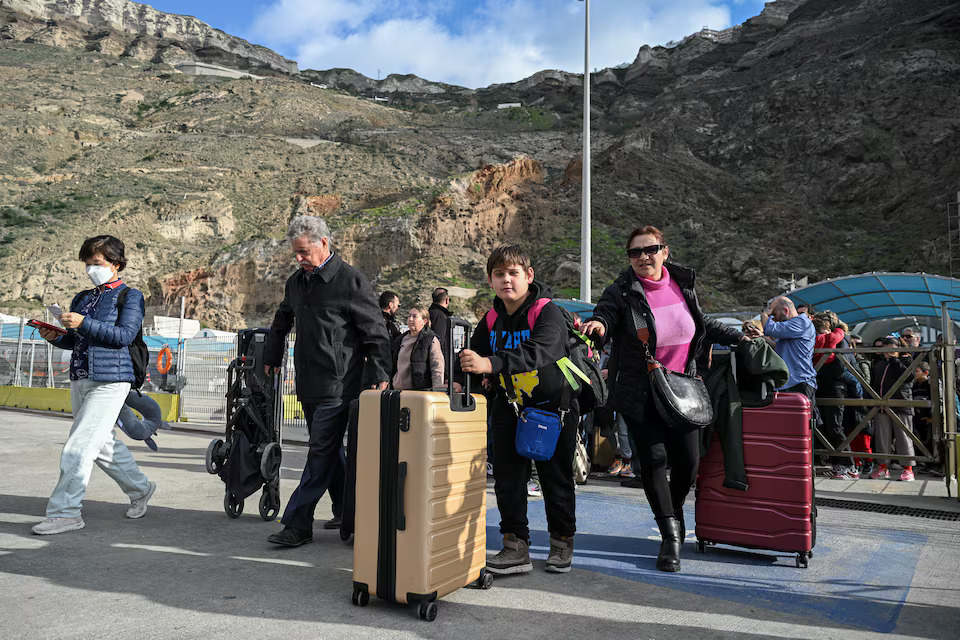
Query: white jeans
column 92, row 439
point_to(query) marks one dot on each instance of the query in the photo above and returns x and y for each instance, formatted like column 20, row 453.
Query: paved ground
column 187, row 571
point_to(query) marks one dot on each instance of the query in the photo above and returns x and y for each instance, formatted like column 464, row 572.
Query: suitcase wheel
column 428, row 611
column 360, row 597
column 803, row 560
column 269, row 503
column 214, row 457
column 485, row 581
column 701, row 546
column 231, row 505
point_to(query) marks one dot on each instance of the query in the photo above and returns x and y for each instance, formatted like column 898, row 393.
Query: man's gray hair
column 314, row 228
column 783, row 301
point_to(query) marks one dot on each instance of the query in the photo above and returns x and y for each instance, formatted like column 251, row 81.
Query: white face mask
column 99, row 275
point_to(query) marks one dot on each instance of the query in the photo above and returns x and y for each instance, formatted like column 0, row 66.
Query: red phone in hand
column 37, row 324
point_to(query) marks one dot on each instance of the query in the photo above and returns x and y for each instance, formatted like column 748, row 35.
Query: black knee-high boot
column 669, row 557
column 678, row 514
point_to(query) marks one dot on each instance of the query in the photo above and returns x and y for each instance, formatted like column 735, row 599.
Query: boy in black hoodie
column 529, row 354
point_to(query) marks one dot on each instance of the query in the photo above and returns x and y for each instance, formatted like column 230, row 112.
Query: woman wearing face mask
column 100, row 332
column 417, row 356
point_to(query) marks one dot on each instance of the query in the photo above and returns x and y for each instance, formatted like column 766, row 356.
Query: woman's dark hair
column 648, row 230
column 110, row 248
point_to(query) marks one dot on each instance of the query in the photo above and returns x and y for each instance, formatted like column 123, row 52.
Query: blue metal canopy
column 877, row 295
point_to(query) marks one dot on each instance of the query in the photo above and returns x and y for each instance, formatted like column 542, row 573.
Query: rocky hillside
column 815, row 139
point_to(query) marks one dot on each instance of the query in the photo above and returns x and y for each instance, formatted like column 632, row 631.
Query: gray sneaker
column 561, row 554
column 513, row 558
column 138, row 506
column 51, row 526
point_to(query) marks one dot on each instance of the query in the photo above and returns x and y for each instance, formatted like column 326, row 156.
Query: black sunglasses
column 636, row 252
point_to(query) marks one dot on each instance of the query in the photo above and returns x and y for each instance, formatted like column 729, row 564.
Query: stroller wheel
column 214, row 458
column 231, row 505
column 269, row 504
column 270, row 461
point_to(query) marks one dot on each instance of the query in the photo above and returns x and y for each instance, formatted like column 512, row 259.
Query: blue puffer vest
column 109, row 332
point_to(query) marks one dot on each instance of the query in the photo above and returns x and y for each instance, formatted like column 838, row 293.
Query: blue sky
column 467, row 42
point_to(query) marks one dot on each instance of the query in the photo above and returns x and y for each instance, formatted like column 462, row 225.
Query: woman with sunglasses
column 658, row 296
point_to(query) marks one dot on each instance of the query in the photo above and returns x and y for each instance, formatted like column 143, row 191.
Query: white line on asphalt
column 290, row 563
column 148, row 547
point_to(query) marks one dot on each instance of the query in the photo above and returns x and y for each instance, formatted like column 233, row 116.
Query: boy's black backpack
column 582, row 371
column 137, row 348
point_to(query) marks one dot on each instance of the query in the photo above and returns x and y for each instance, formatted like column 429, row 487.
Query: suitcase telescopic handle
column 464, row 401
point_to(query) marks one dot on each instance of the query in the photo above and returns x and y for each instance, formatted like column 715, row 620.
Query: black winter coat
column 632, row 385
column 338, row 324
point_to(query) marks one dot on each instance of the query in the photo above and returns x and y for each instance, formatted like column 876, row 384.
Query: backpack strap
column 490, row 317
column 534, row 312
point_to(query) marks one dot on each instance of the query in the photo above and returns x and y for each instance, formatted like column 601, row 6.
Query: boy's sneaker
column 853, row 472
column 138, row 506
column 616, row 467
column 880, row 474
column 867, row 468
column 513, row 558
column 561, row 554
column 51, row 526
column 907, row 476
column 627, row 472
column 533, row 489
column 489, row 468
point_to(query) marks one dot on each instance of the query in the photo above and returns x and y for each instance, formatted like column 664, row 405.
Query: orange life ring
column 164, row 360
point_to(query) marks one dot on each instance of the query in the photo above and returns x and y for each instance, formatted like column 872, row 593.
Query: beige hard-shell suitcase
column 420, row 523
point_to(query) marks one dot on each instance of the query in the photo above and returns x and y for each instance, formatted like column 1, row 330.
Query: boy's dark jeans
column 511, row 471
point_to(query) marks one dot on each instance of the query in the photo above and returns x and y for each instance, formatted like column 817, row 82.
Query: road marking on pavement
column 289, row 563
column 148, row 547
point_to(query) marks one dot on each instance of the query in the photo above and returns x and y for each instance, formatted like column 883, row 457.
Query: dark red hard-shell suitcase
column 777, row 511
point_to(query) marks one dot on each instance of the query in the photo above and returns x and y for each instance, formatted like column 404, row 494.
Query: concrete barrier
column 44, row 399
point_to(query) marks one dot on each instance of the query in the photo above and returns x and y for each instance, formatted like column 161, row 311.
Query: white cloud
column 475, row 43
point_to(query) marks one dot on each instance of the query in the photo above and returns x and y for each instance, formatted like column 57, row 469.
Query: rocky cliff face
column 816, row 139
column 106, row 22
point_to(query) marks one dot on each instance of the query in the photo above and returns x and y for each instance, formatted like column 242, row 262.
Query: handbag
column 681, row 399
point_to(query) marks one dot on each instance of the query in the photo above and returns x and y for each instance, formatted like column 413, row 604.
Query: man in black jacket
column 440, row 316
column 389, row 303
column 338, row 325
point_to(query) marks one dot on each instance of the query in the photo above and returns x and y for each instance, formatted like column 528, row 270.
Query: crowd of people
column 348, row 339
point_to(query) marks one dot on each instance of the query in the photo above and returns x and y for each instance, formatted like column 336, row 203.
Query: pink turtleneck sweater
column 675, row 326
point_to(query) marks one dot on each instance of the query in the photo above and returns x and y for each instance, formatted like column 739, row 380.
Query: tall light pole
column 585, row 208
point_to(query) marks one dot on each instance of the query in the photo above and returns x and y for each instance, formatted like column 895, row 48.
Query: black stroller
column 249, row 455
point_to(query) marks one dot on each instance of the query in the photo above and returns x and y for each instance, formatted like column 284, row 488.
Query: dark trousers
column 832, row 417
column 657, row 444
column 511, row 471
column 326, row 466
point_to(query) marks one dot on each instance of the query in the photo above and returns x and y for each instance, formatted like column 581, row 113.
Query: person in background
column 440, row 314
column 862, row 441
column 417, row 355
column 830, row 384
column 888, row 438
column 99, row 332
column 389, row 304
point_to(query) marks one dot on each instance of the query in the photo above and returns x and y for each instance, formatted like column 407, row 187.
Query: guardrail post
column 950, row 397
column 18, row 379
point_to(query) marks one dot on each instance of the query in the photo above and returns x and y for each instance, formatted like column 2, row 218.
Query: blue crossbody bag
column 538, row 430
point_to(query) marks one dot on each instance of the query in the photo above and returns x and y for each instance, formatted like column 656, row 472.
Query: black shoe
column 669, row 557
column 333, row 523
column 633, row 483
column 291, row 537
